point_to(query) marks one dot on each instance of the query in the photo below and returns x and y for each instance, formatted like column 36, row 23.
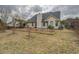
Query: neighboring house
column 9, row 21
column 15, row 22
column 12, row 22
column 73, row 23
column 43, row 20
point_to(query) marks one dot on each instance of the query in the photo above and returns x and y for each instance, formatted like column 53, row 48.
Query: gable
column 51, row 19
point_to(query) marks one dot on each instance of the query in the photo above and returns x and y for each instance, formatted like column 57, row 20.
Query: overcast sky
column 29, row 10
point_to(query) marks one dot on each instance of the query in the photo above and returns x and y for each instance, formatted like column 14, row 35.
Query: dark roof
column 54, row 14
column 45, row 16
column 33, row 19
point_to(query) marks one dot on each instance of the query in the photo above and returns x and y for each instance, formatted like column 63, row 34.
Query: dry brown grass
column 60, row 41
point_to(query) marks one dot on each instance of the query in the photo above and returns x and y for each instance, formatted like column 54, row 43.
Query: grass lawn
column 60, row 41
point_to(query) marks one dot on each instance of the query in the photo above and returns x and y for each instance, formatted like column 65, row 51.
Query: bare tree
column 29, row 32
column 4, row 17
column 14, row 22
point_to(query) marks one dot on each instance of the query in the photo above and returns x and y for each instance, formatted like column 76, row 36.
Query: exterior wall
column 34, row 24
column 39, row 20
column 42, row 26
column 31, row 25
column 17, row 24
column 56, row 27
column 51, row 21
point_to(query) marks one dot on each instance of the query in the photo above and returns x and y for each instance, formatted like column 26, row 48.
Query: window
column 56, row 23
column 43, row 23
column 51, row 22
column 47, row 23
column 32, row 24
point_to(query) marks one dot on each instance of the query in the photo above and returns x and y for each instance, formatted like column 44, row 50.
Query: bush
column 50, row 27
column 61, row 27
column 67, row 26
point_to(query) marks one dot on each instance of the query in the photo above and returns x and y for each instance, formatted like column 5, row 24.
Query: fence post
column 29, row 32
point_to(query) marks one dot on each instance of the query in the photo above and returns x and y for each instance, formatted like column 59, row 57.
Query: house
column 72, row 23
column 43, row 20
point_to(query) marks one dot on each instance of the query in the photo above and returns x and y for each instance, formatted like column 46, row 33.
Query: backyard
column 57, row 41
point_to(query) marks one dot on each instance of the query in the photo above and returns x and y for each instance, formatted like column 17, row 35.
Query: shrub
column 50, row 27
column 66, row 25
